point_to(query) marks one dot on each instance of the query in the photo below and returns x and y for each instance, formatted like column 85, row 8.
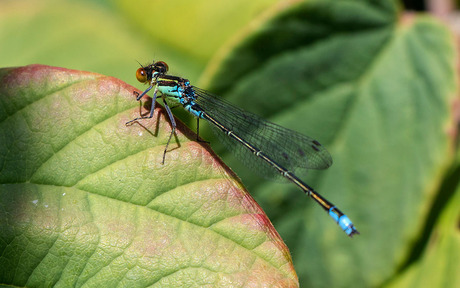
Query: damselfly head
column 146, row 73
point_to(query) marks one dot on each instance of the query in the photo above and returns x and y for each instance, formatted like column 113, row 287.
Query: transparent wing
column 286, row 147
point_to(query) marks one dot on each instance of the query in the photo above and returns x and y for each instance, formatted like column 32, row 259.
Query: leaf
column 440, row 262
column 85, row 200
column 374, row 88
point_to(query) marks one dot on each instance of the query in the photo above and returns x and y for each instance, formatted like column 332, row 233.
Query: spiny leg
column 173, row 125
column 198, row 132
column 152, row 108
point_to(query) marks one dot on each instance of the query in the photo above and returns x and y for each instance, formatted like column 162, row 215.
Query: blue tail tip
column 347, row 226
column 343, row 221
column 351, row 230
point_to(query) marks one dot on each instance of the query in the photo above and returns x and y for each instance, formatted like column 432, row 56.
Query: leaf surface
column 85, row 200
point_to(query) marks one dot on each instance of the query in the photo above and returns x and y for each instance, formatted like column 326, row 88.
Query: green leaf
column 375, row 89
column 85, row 200
column 440, row 262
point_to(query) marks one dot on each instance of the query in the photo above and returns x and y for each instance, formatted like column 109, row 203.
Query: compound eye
column 163, row 65
column 141, row 75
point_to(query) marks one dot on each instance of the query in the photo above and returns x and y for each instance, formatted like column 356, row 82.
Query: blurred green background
column 373, row 85
column 109, row 37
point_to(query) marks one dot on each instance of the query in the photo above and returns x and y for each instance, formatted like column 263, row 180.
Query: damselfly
column 269, row 148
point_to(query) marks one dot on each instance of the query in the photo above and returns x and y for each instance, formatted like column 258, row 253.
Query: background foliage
column 376, row 86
